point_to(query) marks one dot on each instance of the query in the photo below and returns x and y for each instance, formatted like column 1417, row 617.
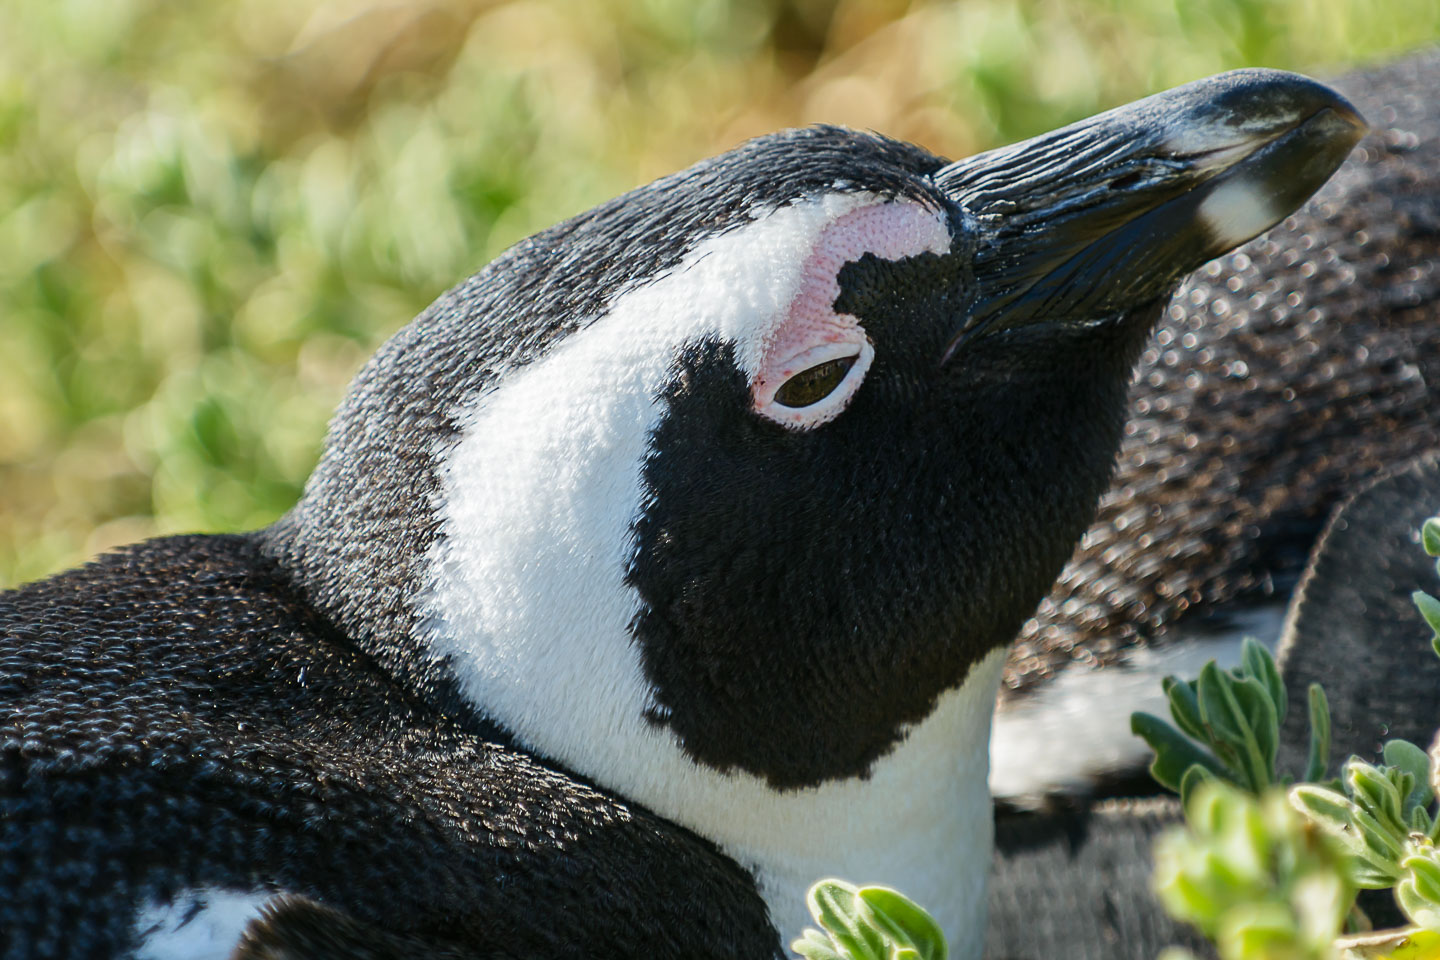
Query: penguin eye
column 815, row 384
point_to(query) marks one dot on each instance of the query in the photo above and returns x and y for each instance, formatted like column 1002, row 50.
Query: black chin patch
column 741, row 570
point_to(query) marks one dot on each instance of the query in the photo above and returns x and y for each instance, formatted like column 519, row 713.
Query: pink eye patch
column 816, row 359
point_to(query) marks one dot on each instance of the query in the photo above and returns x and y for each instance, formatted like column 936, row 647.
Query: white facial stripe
column 529, row 598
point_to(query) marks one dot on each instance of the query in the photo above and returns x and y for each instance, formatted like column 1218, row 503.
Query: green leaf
column 1233, row 708
column 837, row 907
column 1261, row 717
column 1191, row 780
column 1220, row 715
column 1430, row 536
column 1255, row 661
column 917, row 933
column 1324, row 900
column 1185, row 707
column 1429, row 609
column 1419, row 892
column 1254, row 876
column 814, row 945
column 1257, row 930
column 1319, row 759
column 1174, row 752
column 1331, row 809
column 1406, row 756
column 1426, row 874
column 870, row 923
column 1357, row 832
column 1376, row 793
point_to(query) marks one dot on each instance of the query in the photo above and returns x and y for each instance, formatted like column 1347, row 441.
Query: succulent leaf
column 1319, row 758
column 870, row 923
column 1256, row 662
column 1184, row 707
column 1175, row 753
column 1406, row 756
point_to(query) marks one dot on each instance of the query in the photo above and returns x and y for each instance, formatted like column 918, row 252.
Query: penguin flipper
column 293, row 927
column 1353, row 628
column 173, row 713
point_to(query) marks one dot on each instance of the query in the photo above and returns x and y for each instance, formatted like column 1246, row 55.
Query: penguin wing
column 181, row 738
column 1354, row 629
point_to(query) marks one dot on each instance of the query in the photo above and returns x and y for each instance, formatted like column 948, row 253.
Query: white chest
column 921, row 823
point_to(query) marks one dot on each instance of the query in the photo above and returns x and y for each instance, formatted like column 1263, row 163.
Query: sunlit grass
column 211, row 213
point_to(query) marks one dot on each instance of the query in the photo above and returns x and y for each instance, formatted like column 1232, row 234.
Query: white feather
column 201, row 924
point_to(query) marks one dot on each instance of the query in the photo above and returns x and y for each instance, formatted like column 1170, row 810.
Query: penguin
column 1280, row 380
column 1309, row 374
column 661, row 568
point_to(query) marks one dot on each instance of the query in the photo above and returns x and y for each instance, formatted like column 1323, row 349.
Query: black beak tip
column 1227, row 116
column 1257, row 101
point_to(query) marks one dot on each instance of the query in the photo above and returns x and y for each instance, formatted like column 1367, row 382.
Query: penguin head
column 751, row 465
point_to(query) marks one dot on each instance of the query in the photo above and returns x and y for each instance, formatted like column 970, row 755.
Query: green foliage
column 1383, row 817
column 1253, row 876
column 1259, row 884
column 1418, row 891
column 1319, row 756
column 1378, row 813
column 210, row 213
column 1429, row 606
column 867, row 923
column 1227, row 726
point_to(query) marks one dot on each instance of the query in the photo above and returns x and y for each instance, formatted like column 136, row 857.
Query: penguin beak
column 1091, row 221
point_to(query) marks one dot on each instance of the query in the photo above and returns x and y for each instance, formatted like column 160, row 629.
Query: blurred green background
column 211, row 213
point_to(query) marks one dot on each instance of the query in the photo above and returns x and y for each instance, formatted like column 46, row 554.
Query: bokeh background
column 211, row 213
